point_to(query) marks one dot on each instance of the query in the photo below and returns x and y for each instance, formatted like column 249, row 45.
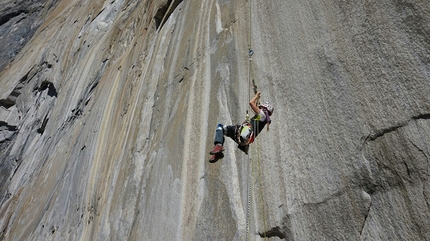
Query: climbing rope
column 257, row 155
column 260, row 184
column 249, row 187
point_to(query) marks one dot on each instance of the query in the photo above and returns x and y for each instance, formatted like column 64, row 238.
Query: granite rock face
column 19, row 19
column 108, row 112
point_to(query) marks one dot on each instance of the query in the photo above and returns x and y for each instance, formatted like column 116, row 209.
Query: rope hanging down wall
column 251, row 81
column 249, row 186
column 256, row 152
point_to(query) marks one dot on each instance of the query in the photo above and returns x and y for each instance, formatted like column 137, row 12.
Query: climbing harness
column 245, row 134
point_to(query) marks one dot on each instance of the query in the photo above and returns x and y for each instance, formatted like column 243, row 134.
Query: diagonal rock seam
column 378, row 134
column 88, row 93
column 381, row 132
column 6, row 18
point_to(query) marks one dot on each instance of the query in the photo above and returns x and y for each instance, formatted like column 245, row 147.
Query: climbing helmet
column 268, row 107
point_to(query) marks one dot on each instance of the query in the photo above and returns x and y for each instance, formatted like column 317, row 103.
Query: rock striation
column 108, row 110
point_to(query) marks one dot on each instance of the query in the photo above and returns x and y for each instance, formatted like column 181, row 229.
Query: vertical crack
column 41, row 129
column 425, row 194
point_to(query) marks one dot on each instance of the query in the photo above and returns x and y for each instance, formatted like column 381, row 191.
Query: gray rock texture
column 108, row 112
column 19, row 19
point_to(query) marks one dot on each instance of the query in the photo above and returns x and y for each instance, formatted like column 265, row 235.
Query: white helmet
column 268, row 107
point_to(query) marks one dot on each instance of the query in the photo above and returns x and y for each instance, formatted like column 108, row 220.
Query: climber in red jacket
column 245, row 133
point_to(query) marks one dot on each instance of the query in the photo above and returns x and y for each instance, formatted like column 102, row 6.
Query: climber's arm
column 253, row 102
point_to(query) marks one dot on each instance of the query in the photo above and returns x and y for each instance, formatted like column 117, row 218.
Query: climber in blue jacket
column 245, row 133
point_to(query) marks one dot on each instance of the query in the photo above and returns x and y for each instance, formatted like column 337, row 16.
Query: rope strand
column 260, row 183
column 256, row 152
column 249, row 187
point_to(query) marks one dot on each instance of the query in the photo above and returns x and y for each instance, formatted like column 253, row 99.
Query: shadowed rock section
column 9, row 16
column 164, row 12
column 19, row 20
column 6, row 131
column 10, row 100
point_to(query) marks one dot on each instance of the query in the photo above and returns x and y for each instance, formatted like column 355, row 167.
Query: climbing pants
column 230, row 131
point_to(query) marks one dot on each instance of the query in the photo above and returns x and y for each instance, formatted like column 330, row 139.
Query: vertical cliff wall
column 108, row 113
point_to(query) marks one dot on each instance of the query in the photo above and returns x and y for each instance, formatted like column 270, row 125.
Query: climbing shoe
column 217, row 149
column 216, row 157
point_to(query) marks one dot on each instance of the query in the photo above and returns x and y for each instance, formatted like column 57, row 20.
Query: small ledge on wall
column 164, row 12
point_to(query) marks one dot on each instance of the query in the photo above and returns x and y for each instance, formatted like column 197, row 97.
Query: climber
column 245, row 133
